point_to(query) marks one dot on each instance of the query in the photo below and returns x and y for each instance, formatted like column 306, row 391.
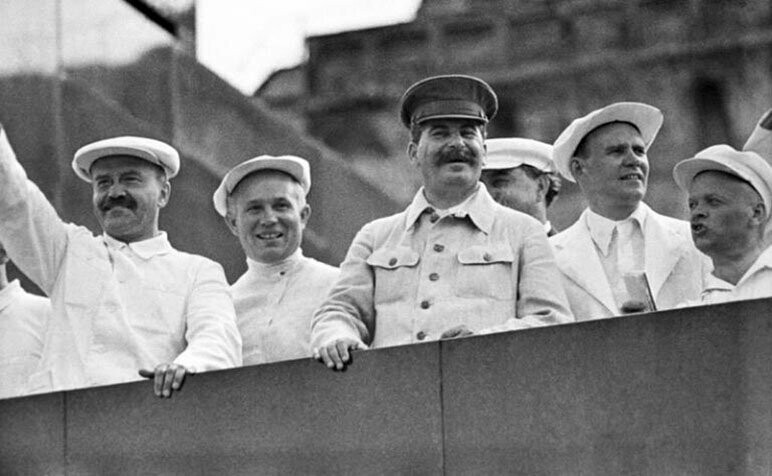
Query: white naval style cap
column 746, row 165
column 151, row 150
column 760, row 140
column 648, row 119
column 295, row 167
column 508, row 153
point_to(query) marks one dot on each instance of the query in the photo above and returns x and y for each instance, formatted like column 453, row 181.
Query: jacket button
column 425, row 304
column 392, row 261
column 434, row 217
column 438, row 248
column 434, row 277
column 421, row 335
column 487, row 257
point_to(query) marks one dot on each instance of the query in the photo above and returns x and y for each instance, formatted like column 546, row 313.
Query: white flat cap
column 760, row 140
column 648, row 120
column 151, row 150
column 746, row 165
column 295, row 167
column 513, row 152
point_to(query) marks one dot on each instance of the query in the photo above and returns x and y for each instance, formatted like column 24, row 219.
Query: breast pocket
column 394, row 270
column 486, row 272
column 162, row 310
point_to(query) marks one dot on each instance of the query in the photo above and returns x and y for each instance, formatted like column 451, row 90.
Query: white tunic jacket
column 676, row 270
column 116, row 307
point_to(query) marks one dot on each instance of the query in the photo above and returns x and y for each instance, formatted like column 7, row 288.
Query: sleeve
column 541, row 300
column 348, row 311
column 32, row 233
column 212, row 336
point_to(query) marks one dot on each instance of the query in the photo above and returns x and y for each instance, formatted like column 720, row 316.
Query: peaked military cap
column 448, row 97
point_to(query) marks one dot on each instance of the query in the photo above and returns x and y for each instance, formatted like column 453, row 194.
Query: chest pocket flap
column 392, row 258
column 486, row 255
column 394, row 270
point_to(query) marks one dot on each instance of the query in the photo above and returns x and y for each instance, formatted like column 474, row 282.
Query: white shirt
column 117, row 307
column 23, row 317
column 274, row 304
column 755, row 283
column 620, row 246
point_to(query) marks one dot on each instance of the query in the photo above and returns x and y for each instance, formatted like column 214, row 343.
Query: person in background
column 126, row 300
column 263, row 202
column 520, row 174
column 730, row 198
column 23, row 317
column 455, row 262
column 620, row 256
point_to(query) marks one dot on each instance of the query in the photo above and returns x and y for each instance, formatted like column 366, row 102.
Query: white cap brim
column 151, row 150
column 295, row 167
column 648, row 119
column 747, row 165
column 508, row 153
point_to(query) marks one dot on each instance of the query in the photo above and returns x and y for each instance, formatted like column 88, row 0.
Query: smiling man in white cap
column 620, row 255
column 455, row 262
column 263, row 202
column 125, row 300
column 520, row 174
column 730, row 200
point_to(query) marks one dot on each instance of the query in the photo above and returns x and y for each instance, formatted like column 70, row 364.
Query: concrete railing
column 678, row 392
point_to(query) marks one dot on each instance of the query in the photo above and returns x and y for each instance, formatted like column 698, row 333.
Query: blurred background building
column 74, row 71
column 705, row 63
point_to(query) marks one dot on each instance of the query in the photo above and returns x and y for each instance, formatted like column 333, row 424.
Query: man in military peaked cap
column 455, row 262
column 124, row 301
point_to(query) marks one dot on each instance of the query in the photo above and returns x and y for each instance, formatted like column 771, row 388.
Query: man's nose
column 697, row 211
column 116, row 190
column 268, row 216
column 633, row 159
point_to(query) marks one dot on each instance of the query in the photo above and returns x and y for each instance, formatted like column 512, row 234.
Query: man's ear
column 305, row 214
column 166, row 193
column 542, row 186
column 576, row 166
column 230, row 220
column 412, row 153
column 759, row 216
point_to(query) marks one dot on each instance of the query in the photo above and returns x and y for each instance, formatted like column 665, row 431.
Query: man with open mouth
column 620, row 256
column 730, row 202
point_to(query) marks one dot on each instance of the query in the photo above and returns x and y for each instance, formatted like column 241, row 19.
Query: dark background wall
column 75, row 71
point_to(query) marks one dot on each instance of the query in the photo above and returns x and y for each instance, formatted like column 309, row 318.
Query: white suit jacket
column 676, row 270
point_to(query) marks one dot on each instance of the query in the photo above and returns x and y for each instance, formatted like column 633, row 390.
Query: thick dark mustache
column 456, row 155
column 125, row 201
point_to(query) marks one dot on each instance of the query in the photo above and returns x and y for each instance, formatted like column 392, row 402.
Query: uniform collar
column 601, row 227
column 145, row 249
column 9, row 293
column 763, row 261
column 279, row 269
column 479, row 207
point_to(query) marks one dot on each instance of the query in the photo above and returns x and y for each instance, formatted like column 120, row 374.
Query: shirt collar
column 145, row 249
column 9, row 293
column 763, row 261
column 279, row 269
column 714, row 285
column 601, row 227
column 479, row 207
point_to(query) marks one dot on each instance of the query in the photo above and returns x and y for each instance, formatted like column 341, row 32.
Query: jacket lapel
column 578, row 259
column 664, row 248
